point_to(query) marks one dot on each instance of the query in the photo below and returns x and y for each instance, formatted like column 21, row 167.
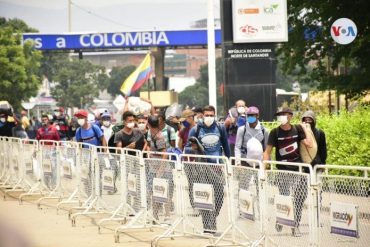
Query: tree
column 51, row 62
column 117, row 77
column 310, row 43
column 19, row 64
column 77, row 83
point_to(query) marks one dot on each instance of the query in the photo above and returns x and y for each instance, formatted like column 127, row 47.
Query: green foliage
column 77, row 83
column 19, row 64
column 51, row 62
column 299, row 52
column 348, row 137
column 117, row 77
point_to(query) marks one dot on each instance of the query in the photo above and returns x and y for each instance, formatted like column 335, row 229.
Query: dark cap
column 284, row 110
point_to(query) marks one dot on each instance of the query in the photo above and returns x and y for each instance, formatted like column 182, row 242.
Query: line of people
column 197, row 131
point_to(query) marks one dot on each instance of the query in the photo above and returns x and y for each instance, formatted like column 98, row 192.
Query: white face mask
column 106, row 123
column 130, row 125
column 241, row 110
column 142, row 126
column 57, row 127
column 57, row 114
column 208, row 121
column 3, row 119
column 282, row 119
column 81, row 121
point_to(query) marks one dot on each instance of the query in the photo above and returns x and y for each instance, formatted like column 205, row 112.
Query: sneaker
column 296, row 232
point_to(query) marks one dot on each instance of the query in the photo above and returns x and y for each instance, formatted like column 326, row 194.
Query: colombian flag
column 137, row 78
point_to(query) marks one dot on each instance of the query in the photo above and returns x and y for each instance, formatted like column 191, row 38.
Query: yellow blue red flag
column 138, row 77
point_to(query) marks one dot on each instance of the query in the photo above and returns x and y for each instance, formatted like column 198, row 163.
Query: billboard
column 259, row 21
column 125, row 40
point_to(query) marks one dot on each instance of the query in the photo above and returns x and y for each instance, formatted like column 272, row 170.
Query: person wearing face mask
column 213, row 138
column 47, row 130
column 234, row 120
column 106, row 126
column 251, row 139
column 198, row 114
column 6, row 126
column 88, row 132
column 60, row 121
column 286, row 139
column 309, row 117
column 129, row 136
column 187, row 120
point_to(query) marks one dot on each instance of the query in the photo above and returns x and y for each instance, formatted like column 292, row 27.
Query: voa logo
column 343, row 31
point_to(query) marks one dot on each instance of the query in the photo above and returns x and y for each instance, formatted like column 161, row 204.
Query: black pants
column 207, row 174
column 296, row 186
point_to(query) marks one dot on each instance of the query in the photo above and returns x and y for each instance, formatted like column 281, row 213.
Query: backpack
column 263, row 133
column 93, row 126
column 116, row 128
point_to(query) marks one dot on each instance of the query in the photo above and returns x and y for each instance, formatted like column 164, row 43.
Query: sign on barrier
column 203, row 196
column 108, row 180
column 131, row 184
column 67, row 168
column 46, row 167
column 246, row 204
column 160, row 190
column 284, row 210
column 344, row 219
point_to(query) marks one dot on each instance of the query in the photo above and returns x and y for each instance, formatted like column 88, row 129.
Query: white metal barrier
column 32, row 169
column 125, row 187
column 270, row 204
column 343, row 205
column 69, row 175
column 247, row 194
column 289, row 204
column 14, row 181
column 151, row 185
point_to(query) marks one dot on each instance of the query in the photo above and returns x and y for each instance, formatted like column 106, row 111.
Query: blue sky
column 51, row 16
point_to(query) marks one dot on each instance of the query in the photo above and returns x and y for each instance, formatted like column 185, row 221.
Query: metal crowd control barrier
column 4, row 160
column 289, row 204
column 69, row 176
column 343, row 205
column 15, row 181
column 247, row 194
column 118, row 182
column 206, row 204
column 152, row 187
column 50, row 174
column 32, row 169
column 87, row 196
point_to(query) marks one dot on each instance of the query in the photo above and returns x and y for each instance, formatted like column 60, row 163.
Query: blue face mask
column 251, row 119
column 186, row 124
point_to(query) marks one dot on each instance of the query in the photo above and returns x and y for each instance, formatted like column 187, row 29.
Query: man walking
column 286, row 139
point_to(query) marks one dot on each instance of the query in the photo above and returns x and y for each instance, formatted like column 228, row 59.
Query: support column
column 158, row 54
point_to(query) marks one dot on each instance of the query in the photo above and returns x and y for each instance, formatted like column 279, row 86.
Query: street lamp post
column 211, row 55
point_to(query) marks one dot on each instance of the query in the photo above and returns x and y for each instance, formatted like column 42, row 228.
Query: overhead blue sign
column 120, row 39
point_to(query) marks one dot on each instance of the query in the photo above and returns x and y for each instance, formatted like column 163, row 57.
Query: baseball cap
column 82, row 113
column 186, row 113
column 284, row 110
column 252, row 110
column 105, row 115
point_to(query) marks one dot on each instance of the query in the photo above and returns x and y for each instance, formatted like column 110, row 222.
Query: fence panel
column 206, row 198
column 4, row 164
column 109, row 186
column 14, row 168
column 344, row 205
column 247, row 196
column 32, row 170
column 49, row 164
column 161, row 185
column 86, row 172
column 288, row 204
